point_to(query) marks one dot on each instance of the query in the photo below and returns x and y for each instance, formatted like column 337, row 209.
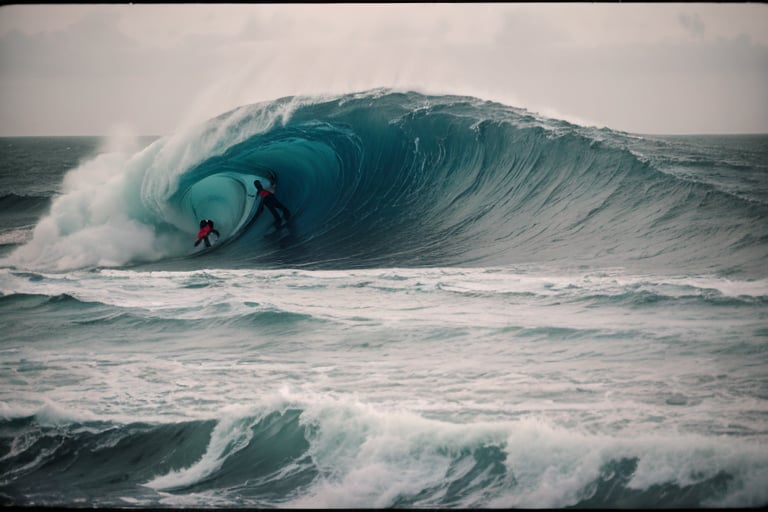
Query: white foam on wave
column 114, row 208
column 47, row 412
column 369, row 456
column 231, row 434
column 93, row 222
column 16, row 236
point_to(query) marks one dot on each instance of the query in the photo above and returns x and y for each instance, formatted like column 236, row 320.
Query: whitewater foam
column 228, row 437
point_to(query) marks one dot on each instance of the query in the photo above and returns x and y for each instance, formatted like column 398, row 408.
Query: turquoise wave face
column 412, row 180
column 408, row 180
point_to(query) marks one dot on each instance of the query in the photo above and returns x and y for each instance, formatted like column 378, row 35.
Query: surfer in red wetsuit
column 270, row 201
column 206, row 228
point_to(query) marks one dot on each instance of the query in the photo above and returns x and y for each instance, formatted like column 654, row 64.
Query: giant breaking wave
column 389, row 179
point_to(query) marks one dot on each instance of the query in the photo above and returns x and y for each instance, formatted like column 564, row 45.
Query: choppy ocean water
column 473, row 306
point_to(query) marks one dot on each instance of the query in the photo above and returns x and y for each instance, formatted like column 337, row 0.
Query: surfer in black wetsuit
column 270, row 201
column 214, row 231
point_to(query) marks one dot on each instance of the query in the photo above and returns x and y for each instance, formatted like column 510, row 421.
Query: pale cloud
column 636, row 67
column 693, row 24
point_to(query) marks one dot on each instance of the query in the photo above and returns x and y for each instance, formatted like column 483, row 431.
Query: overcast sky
column 152, row 68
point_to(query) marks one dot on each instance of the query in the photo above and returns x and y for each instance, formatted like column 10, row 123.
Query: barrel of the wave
column 228, row 199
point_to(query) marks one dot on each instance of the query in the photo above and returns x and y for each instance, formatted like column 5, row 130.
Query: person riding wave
column 206, row 228
column 270, row 201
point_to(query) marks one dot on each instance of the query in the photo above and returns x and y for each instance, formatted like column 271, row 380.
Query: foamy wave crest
column 98, row 220
column 229, row 437
column 115, row 208
column 318, row 451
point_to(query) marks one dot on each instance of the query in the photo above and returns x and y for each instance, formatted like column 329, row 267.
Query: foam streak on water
column 495, row 341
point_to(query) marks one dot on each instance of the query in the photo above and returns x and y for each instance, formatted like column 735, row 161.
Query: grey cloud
column 692, row 24
column 525, row 31
column 93, row 46
column 263, row 27
column 104, row 75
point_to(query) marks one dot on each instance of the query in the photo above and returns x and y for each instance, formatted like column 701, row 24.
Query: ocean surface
column 473, row 306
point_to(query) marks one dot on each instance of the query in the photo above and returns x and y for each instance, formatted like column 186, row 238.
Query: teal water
column 475, row 307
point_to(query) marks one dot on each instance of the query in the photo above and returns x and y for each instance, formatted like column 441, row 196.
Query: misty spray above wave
column 399, row 180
